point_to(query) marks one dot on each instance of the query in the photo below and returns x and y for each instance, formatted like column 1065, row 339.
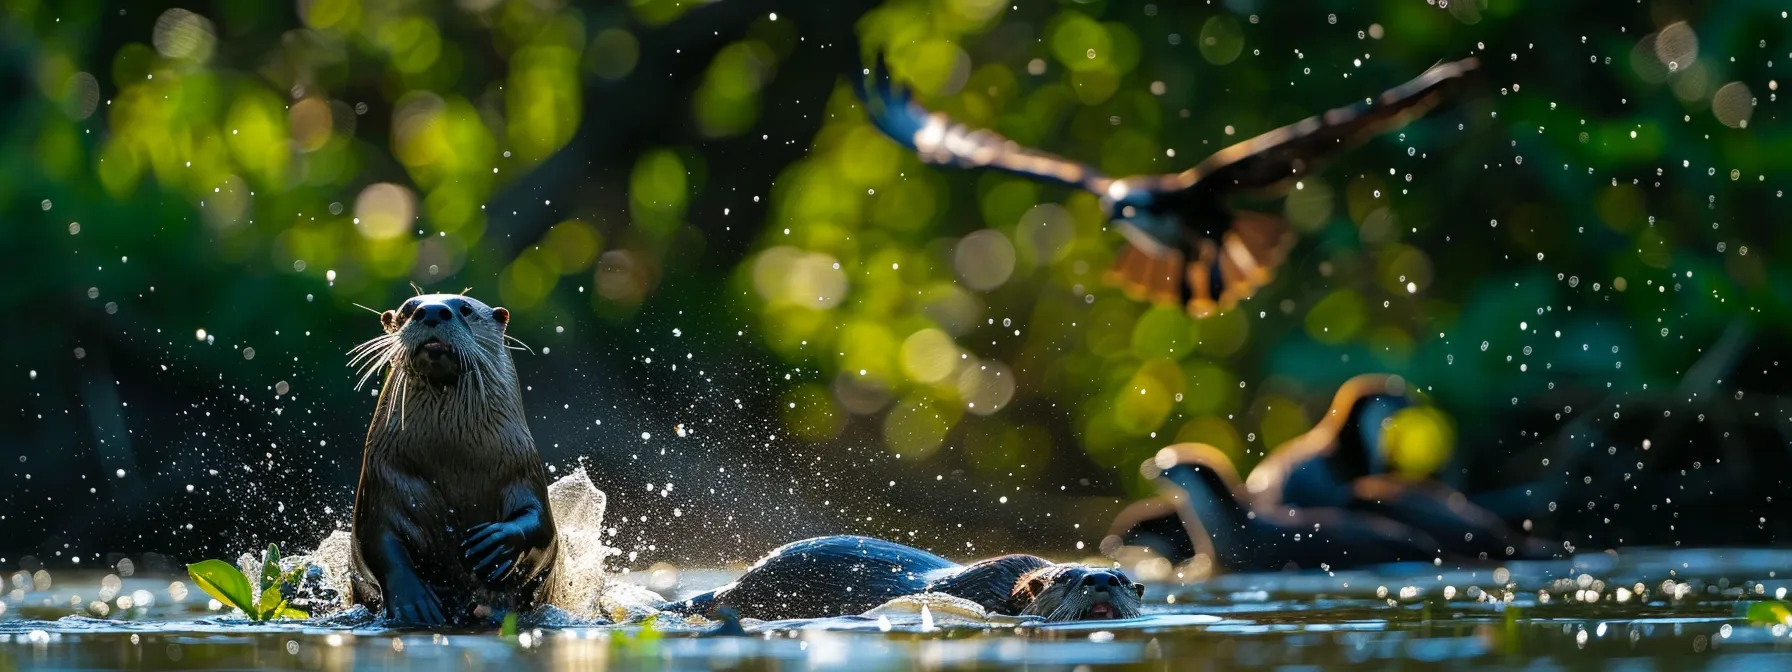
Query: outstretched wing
column 937, row 139
column 1268, row 163
column 1214, row 268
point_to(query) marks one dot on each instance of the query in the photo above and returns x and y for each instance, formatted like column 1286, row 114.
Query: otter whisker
column 518, row 341
column 404, row 391
column 373, row 369
column 380, row 354
column 374, row 343
column 370, row 310
column 374, row 365
column 495, row 345
column 389, row 393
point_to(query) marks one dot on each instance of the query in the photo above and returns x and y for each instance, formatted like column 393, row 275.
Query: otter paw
column 414, row 605
column 492, row 549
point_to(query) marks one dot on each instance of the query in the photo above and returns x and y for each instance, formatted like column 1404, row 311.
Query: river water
column 1636, row 610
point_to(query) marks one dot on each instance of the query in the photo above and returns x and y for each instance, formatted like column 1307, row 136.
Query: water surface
column 1639, row 610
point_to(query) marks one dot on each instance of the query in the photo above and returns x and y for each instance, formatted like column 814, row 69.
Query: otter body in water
column 1345, row 462
column 451, row 516
column 849, row 575
column 1199, row 496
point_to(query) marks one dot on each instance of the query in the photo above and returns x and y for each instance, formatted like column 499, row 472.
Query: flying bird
column 1185, row 243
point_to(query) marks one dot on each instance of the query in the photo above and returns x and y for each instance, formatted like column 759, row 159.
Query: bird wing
column 1268, row 163
column 937, row 139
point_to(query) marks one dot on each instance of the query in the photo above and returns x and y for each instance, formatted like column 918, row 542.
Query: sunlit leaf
column 270, row 605
column 270, row 568
column 224, row 582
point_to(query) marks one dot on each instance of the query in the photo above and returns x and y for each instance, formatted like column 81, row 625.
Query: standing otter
column 849, row 575
column 451, row 512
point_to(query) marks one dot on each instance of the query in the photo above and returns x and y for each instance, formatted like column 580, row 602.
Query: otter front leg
column 523, row 540
column 407, row 598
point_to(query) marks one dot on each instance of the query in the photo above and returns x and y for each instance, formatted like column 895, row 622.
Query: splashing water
column 581, row 589
column 581, row 586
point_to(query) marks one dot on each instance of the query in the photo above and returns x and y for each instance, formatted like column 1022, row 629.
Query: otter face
column 1079, row 593
column 439, row 337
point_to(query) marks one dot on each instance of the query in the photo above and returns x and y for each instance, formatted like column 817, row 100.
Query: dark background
column 1513, row 202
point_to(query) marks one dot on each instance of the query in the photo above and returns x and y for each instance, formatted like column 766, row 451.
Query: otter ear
column 389, row 320
column 501, row 315
column 1138, row 590
column 1036, row 586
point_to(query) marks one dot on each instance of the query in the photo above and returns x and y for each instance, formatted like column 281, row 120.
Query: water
column 1582, row 614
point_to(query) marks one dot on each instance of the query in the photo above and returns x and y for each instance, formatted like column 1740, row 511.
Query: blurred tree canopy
column 1583, row 220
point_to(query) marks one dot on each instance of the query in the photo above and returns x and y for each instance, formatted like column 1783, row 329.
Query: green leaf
column 290, row 612
column 1771, row 612
column 224, row 582
column 270, row 568
column 271, row 604
column 650, row 631
column 508, row 629
column 291, row 578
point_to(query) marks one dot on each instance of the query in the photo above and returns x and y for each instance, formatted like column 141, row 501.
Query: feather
column 1183, row 241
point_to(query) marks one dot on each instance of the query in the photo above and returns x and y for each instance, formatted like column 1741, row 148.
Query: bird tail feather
column 1213, row 276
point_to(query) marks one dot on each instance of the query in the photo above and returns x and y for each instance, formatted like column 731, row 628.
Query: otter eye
column 408, row 307
column 465, row 310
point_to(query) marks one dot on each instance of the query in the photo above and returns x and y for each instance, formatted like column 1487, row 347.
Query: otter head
column 439, row 337
column 1078, row 593
column 434, row 342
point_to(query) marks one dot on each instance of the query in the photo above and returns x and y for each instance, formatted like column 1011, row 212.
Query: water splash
column 582, row 589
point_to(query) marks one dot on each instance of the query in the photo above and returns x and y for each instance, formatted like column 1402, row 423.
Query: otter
column 1199, row 493
column 849, row 575
column 1343, row 462
column 451, row 523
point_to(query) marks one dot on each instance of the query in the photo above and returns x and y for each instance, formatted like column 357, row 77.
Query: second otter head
column 441, row 335
column 1079, row 593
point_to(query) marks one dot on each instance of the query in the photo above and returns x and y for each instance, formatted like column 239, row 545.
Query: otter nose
column 433, row 314
column 1102, row 580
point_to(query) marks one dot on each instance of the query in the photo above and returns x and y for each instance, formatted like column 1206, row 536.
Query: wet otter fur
column 849, row 575
column 1343, row 463
column 451, row 524
column 1199, row 491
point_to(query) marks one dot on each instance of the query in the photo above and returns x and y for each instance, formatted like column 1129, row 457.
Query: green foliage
column 349, row 146
column 259, row 602
column 1769, row 612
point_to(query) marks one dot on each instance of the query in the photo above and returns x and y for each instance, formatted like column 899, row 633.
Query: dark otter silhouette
column 1185, row 242
column 1198, row 484
column 1342, row 463
column 849, row 575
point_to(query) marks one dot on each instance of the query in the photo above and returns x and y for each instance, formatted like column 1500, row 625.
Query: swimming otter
column 849, row 575
column 451, row 515
column 1199, row 486
column 1344, row 462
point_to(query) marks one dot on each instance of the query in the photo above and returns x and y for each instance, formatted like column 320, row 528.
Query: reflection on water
column 1642, row 610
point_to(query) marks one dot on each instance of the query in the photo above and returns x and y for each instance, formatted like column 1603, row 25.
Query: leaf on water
column 271, row 604
column 508, row 629
column 650, row 631
column 1770, row 612
column 290, row 612
column 225, row 583
column 270, row 568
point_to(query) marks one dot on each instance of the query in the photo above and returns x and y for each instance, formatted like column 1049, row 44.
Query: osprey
column 1184, row 242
